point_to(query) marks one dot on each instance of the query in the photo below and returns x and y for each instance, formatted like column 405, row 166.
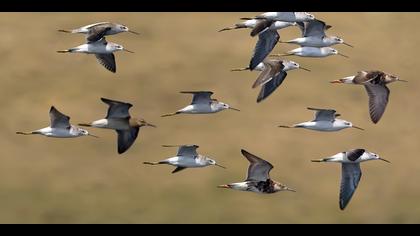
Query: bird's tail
column 66, row 31
column 321, row 160
column 240, row 69
column 65, row 51
column 224, row 186
column 227, row 28
column 170, row 114
column 154, row 163
column 27, row 133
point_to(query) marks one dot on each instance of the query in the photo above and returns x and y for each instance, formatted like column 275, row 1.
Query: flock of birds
column 273, row 70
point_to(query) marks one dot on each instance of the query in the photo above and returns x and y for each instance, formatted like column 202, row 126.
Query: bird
column 187, row 157
column 286, row 16
column 274, row 71
column 259, row 25
column 325, row 120
column 313, row 35
column 60, row 127
column 103, row 50
column 312, row 52
column 375, row 82
column 350, row 171
column 202, row 103
column 119, row 119
column 96, row 31
column 258, row 179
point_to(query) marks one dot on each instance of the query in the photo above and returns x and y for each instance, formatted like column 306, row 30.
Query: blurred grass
column 84, row 180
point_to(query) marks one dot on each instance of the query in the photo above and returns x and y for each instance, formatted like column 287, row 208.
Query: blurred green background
column 84, row 180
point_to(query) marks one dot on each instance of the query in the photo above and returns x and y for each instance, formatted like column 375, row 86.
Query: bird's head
column 213, row 163
column 123, row 28
column 374, row 156
column 224, row 106
column 116, row 47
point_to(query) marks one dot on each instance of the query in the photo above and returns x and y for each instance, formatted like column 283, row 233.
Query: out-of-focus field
column 84, row 180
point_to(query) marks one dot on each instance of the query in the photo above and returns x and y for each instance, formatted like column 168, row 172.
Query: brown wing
column 97, row 32
column 261, row 26
column 271, row 68
column 259, row 169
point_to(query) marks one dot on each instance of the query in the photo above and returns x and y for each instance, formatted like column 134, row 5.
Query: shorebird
column 286, row 16
column 60, row 127
column 313, row 35
column 325, row 120
column 259, row 25
column 187, row 157
column 202, row 103
column 258, row 179
column 312, row 52
column 350, row 171
column 119, row 119
column 274, row 71
column 375, row 83
column 103, row 50
column 96, row 31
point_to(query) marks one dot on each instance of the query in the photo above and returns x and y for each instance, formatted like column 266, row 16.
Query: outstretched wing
column 267, row 40
column 378, row 100
column 126, row 138
column 58, row 119
column 107, row 61
column 200, row 96
column 323, row 114
column 269, row 87
column 259, row 169
column 350, row 177
column 97, row 32
column 117, row 109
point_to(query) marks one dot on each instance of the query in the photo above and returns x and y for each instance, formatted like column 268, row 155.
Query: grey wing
column 107, row 61
column 378, row 100
column 269, row 87
column 187, row 150
column 58, row 119
column 355, row 154
column 117, row 109
column 97, row 32
column 267, row 40
column 126, row 139
column 259, row 169
column 315, row 28
column 271, row 68
column 200, row 96
column 261, row 26
column 323, row 114
column 301, row 26
column 350, row 177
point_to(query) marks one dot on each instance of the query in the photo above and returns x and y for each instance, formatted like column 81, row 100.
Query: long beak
column 128, row 50
column 357, row 127
column 348, row 44
column 384, row 160
column 151, row 125
column 303, row 68
column 402, row 80
column 234, row 109
column 220, row 166
column 342, row 55
column 93, row 135
column 133, row 32
column 337, row 81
